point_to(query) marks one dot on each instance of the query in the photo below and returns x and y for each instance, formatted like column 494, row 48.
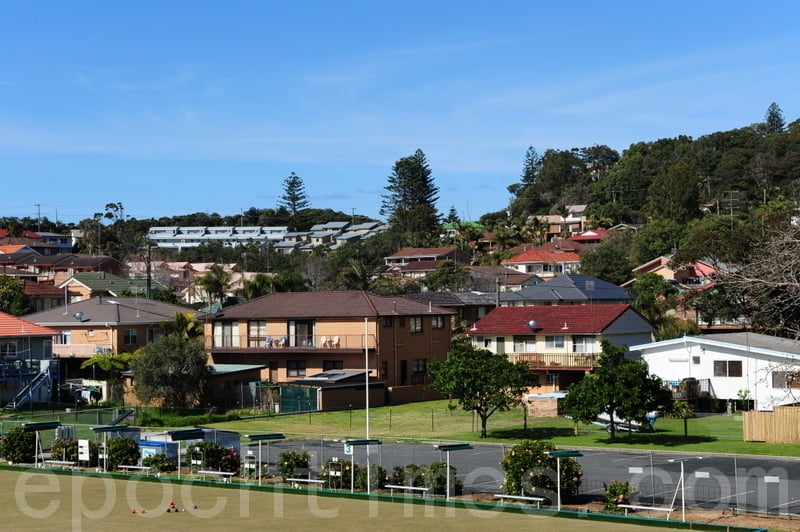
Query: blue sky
column 175, row 107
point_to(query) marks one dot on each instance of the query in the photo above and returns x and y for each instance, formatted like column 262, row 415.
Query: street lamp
column 447, row 448
column 681, row 484
column 557, row 455
column 267, row 438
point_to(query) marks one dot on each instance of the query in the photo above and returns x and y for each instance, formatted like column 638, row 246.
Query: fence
column 780, row 426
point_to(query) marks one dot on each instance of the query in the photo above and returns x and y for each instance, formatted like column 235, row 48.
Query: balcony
column 556, row 360
column 345, row 342
column 80, row 350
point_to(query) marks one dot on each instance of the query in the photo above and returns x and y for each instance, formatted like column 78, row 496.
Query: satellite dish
column 78, row 316
column 533, row 325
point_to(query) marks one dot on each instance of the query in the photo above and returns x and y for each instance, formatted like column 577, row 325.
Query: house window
column 64, row 338
column 387, row 321
column 695, row 360
column 415, row 324
column 727, row 368
column 582, row 344
column 154, row 333
column 552, row 379
column 780, row 379
column 295, row 368
column 384, row 368
column 554, row 342
column 257, row 333
column 130, row 337
column 8, row 348
column 90, row 332
column 47, row 349
column 437, row 322
column 524, row 344
column 486, row 341
column 328, row 365
column 420, row 366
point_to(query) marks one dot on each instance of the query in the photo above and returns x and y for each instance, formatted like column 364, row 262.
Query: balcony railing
column 556, row 360
column 305, row 342
column 80, row 350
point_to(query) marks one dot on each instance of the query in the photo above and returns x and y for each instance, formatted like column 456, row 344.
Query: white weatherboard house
column 766, row 368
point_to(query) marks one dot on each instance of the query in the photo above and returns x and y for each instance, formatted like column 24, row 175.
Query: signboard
column 83, row 450
column 348, row 449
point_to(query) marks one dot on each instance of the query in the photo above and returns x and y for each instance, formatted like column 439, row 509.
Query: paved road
column 765, row 484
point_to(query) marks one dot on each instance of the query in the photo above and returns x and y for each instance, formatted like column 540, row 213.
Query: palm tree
column 113, row 365
column 183, row 325
column 216, row 283
column 260, row 285
column 356, row 276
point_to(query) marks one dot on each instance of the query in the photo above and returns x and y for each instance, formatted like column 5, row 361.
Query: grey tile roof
column 109, row 310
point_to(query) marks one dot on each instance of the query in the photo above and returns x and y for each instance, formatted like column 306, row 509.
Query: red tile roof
column 13, row 327
column 578, row 319
column 544, row 256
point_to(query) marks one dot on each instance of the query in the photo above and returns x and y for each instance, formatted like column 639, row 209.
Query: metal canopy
column 109, row 428
column 266, row 437
column 563, row 454
column 454, row 447
column 40, row 425
column 363, row 442
column 186, row 434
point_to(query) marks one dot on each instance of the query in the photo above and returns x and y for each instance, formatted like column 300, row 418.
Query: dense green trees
column 410, row 202
column 479, row 380
column 620, row 387
column 171, row 371
column 12, row 296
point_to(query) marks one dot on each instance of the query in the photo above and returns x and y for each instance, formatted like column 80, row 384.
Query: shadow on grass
column 666, row 440
column 538, row 433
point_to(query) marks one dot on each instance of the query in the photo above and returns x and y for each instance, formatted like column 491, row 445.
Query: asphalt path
column 746, row 483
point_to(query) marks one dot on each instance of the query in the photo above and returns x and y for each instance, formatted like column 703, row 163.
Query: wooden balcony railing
column 556, row 360
column 305, row 342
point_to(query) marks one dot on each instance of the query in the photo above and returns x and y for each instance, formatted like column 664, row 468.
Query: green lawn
column 433, row 420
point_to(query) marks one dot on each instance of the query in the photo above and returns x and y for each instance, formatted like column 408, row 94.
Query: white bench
column 627, row 507
column 307, row 481
column 130, row 468
column 63, row 464
column 522, row 498
column 224, row 475
column 412, row 489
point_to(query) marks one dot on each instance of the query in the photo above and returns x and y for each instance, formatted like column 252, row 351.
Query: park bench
column 627, row 507
column 63, row 464
column 522, row 498
column 413, row 489
column 224, row 475
column 131, row 468
column 296, row 482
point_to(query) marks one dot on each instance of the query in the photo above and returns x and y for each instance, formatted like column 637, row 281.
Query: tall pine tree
column 294, row 198
column 410, row 204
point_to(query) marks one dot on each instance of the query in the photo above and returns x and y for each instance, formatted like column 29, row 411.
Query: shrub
column 529, row 469
column 159, row 462
column 214, row 456
column 436, row 479
column 617, row 492
column 377, row 477
column 409, row 475
column 68, row 450
column 18, row 446
column 292, row 463
column 122, row 451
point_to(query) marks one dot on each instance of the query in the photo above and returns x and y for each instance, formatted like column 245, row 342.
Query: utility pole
column 38, row 216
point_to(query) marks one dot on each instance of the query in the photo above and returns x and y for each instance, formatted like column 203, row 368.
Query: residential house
column 87, row 285
column 26, row 351
column 408, row 255
column 499, row 278
column 469, row 306
column 187, row 237
column 559, row 343
column 564, row 226
column 103, row 325
column 299, row 334
column 545, row 263
column 753, row 371
column 570, row 289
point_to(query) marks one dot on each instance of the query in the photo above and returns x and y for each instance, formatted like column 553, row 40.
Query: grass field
column 41, row 500
column 434, row 420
